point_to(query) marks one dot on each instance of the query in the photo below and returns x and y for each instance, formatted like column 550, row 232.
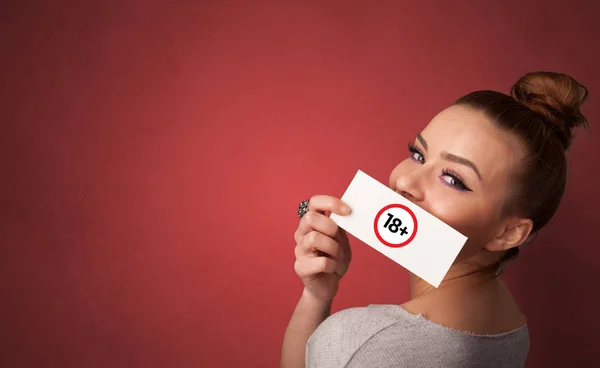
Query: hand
column 322, row 249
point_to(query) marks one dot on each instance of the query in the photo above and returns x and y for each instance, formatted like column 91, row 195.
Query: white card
column 399, row 229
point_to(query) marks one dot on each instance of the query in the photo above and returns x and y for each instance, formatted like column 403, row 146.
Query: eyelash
column 445, row 172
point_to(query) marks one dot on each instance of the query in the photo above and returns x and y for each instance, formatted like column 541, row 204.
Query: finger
column 315, row 221
column 300, row 253
column 315, row 241
column 342, row 239
column 310, row 267
column 328, row 203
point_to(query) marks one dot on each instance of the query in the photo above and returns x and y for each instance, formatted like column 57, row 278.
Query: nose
column 410, row 185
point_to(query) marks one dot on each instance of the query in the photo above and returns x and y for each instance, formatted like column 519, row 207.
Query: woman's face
column 461, row 169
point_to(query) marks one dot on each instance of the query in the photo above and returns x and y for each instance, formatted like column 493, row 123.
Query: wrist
column 313, row 300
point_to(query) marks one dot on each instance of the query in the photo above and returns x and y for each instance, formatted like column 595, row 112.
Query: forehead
column 468, row 133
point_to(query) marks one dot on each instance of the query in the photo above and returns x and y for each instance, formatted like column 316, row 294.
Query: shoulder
column 341, row 335
column 419, row 342
column 358, row 323
column 380, row 334
column 344, row 333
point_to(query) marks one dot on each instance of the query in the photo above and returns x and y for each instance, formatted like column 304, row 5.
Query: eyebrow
column 422, row 140
column 451, row 157
column 462, row 161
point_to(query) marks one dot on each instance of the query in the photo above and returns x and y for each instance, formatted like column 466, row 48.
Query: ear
column 514, row 233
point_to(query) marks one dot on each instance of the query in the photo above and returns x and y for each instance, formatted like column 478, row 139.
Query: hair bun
column 557, row 98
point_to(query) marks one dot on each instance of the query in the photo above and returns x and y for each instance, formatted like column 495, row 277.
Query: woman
column 493, row 167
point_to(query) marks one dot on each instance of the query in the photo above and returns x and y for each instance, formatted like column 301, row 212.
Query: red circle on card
column 412, row 215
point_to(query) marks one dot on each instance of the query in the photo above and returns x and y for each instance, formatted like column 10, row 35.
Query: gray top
column 381, row 336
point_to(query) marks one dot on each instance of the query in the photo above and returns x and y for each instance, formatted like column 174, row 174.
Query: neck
column 467, row 272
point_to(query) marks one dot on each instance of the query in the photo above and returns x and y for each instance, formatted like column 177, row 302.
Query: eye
column 454, row 180
column 416, row 155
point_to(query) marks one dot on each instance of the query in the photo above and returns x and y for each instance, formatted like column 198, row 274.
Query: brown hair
column 542, row 110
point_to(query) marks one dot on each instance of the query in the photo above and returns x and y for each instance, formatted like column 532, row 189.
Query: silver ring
column 302, row 208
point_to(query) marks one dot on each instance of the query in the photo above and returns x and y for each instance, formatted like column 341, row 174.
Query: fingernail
column 345, row 209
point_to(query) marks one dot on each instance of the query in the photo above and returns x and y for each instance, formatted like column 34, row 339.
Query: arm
column 323, row 255
column 308, row 315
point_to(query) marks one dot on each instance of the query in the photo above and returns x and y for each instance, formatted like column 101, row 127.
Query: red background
column 153, row 155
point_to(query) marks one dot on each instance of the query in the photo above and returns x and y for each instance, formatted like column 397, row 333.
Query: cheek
column 460, row 214
column 469, row 216
column 474, row 221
